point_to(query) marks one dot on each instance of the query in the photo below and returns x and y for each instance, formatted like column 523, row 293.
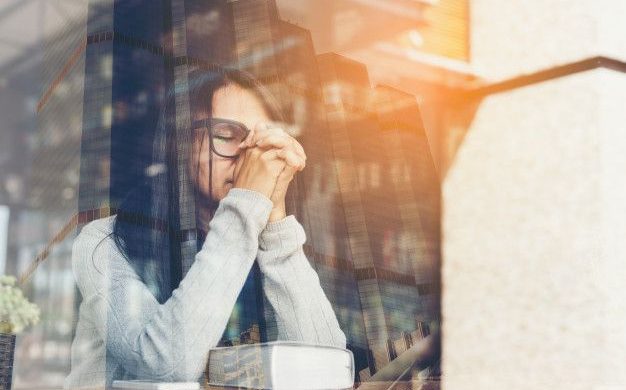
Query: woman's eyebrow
column 199, row 123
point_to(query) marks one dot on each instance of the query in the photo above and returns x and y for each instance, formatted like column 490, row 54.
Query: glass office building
column 389, row 191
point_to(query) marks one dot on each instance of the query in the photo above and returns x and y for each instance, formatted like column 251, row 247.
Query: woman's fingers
column 280, row 139
column 259, row 131
column 299, row 148
column 285, row 177
column 274, row 140
column 271, row 138
column 288, row 156
column 264, row 129
column 250, row 138
column 292, row 159
column 258, row 170
column 282, row 142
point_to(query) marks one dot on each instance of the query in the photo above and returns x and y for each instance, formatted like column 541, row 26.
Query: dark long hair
column 147, row 229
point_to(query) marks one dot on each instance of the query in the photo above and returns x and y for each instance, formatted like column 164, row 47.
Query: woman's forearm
column 293, row 288
column 171, row 341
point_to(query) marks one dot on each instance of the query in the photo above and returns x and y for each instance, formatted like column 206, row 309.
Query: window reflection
column 369, row 198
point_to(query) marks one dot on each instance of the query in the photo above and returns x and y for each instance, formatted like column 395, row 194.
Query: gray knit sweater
column 124, row 333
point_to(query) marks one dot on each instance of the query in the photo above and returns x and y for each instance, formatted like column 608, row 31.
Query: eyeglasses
column 225, row 135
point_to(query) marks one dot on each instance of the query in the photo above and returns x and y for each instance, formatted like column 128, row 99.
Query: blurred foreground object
column 535, row 201
column 413, row 369
column 15, row 314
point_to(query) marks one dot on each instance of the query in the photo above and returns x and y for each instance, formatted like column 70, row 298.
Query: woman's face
column 229, row 102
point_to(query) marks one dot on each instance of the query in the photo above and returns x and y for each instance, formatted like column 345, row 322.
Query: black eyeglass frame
column 208, row 123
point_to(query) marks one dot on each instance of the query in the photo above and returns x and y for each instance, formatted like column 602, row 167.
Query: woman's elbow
column 335, row 338
column 339, row 339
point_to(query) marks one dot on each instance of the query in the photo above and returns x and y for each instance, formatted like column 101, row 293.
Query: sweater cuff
column 282, row 237
column 255, row 206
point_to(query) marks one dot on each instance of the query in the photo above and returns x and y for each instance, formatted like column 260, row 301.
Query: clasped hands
column 267, row 163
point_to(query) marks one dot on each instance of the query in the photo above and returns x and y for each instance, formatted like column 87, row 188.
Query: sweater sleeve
column 303, row 312
column 170, row 341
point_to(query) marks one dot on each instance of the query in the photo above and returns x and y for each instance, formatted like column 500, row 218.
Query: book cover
column 281, row 365
column 154, row 385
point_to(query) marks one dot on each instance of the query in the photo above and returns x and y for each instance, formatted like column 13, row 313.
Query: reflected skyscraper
column 415, row 182
column 382, row 155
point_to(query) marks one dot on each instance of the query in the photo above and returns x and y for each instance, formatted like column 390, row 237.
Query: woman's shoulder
column 99, row 228
column 96, row 234
column 95, row 254
column 95, row 231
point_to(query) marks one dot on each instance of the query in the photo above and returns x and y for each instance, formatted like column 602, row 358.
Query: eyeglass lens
column 227, row 137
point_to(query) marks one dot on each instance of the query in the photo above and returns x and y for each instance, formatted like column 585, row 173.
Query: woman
column 143, row 316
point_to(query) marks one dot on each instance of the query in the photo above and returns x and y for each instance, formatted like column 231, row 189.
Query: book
column 281, row 365
column 154, row 385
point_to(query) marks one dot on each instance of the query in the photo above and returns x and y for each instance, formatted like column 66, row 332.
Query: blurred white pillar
column 4, row 237
column 534, row 228
column 522, row 36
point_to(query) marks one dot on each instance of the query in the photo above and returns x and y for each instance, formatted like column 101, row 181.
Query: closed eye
column 223, row 138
